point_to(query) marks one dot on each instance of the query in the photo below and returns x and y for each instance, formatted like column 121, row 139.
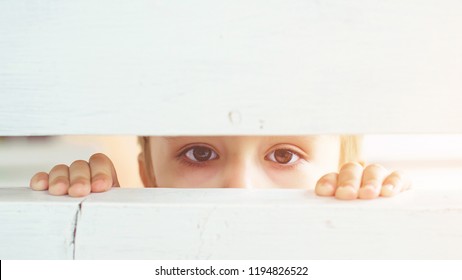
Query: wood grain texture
column 233, row 67
column 267, row 224
column 35, row 225
column 228, row 224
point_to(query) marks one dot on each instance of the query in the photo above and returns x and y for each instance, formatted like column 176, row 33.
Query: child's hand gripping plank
column 78, row 179
column 99, row 175
column 354, row 181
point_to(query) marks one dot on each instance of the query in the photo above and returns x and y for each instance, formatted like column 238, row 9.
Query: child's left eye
column 283, row 156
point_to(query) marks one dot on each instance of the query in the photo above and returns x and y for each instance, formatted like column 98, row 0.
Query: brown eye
column 283, row 156
column 199, row 154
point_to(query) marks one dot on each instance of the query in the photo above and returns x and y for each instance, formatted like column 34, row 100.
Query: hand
column 354, row 181
column 78, row 179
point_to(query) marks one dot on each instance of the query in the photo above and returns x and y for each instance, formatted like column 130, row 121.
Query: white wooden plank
column 35, row 225
column 233, row 67
column 267, row 224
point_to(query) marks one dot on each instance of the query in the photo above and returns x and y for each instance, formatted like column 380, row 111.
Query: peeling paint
column 235, row 117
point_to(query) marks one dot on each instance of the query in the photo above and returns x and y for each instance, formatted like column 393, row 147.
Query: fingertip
column 39, row 181
column 387, row 190
column 346, row 193
column 327, row 184
column 368, row 192
column 41, row 185
column 79, row 190
column 59, row 187
column 325, row 189
column 101, row 184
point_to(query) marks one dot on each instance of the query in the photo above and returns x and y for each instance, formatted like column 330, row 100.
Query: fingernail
column 100, row 185
column 387, row 189
column 99, row 182
column 40, row 184
column 346, row 192
column 346, row 187
column 369, row 187
column 326, row 189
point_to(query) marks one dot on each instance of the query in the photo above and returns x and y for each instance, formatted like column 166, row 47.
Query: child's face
column 243, row 161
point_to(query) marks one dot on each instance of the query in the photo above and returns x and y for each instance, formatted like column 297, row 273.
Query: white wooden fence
column 229, row 68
